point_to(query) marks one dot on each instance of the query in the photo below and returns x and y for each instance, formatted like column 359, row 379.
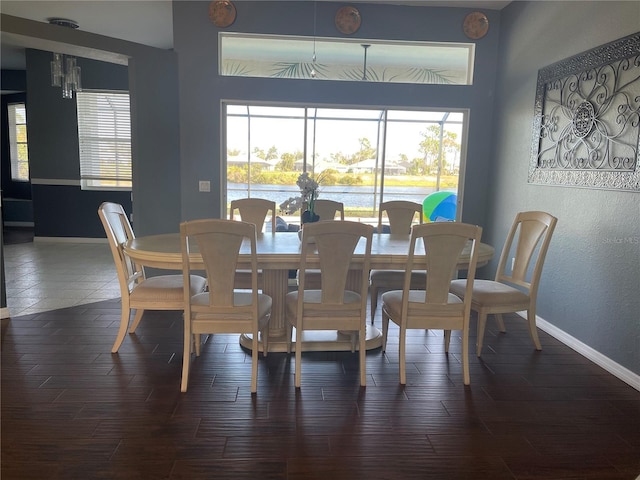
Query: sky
column 287, row 133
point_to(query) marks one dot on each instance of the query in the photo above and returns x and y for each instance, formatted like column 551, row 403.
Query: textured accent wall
column 590, row 285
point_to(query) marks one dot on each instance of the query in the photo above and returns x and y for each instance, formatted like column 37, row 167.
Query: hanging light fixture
column 65, row 72
column 364, row 67
column 313, row 72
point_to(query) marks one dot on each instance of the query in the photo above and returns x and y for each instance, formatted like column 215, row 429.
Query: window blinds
column 104, row 135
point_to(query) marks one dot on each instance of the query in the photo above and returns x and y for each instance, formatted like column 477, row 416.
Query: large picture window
column 104, row 135
column 361, row 156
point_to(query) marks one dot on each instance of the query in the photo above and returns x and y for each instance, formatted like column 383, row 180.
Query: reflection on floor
column 13, row 235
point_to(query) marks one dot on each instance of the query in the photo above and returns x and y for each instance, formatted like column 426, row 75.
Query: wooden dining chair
column 515, row 287
column 401, row 215
column 332, row 306
column 222, row 309
column 327, row 209
column 256, row 211
column 433, row 307
column 137, row 292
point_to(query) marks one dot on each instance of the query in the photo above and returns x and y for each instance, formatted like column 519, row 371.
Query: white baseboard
column 4, row 313
column 615, row 369
column 68, row 240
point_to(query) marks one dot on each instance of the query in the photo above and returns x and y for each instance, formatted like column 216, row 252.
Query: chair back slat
column 254, row 210
column 119, row 231
column 527, row 243
column 443, row 246
column 326, row 209
column 219, row 243
column 335, row 244
column 400, row 214
column 334, row 263
column 220, row 255
column 443, row 252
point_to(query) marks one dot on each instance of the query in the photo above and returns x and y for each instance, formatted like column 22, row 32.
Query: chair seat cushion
column 312, row 296
column 240, row 299
column 392, row 301
column 489, row 292
column 165, row 288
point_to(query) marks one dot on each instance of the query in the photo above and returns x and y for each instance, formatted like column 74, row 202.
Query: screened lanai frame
column 305, row 130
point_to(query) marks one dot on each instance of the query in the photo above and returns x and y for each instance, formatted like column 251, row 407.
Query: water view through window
column 360, row 157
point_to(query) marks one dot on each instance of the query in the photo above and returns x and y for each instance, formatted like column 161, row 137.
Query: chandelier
column 65, row 72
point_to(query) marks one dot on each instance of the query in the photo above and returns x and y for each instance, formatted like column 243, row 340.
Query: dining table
column 278, row 253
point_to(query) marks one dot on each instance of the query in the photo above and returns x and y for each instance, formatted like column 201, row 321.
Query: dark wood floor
column 72, row 410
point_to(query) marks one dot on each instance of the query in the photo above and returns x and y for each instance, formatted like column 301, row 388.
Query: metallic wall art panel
column 586, row 128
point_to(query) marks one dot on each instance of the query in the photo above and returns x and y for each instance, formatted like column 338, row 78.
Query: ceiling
column 149, row 22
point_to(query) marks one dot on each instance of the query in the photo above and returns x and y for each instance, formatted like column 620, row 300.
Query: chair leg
column 447, row 340
column 363, row 357
column 373, row 291
column 533, row 331
column 402, row 360
column 122, row 331
column 298, row 355
column 186, row 355
column 465, row 354
column 500, row 321
column 136, row 320
column 482, row 323
column 265, row 340
column 289, row 333
column 198, row 343
column 385, row 329
column 254, row 362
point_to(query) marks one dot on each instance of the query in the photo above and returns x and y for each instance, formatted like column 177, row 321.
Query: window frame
column 14, row 142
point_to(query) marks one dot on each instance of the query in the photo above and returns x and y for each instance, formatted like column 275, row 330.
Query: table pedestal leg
column 276, row 284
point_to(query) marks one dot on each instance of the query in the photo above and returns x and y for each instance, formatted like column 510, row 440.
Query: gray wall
column 54, row 159
column 155, row 148
column 591, row 284
column 152, row 83
column 202, row 90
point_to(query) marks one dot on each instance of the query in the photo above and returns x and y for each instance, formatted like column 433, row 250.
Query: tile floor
column 43, row 275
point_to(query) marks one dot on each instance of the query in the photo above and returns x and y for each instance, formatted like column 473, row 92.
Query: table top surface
column 282, row 250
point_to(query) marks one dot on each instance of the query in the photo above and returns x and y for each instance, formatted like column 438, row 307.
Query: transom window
column 343, row 59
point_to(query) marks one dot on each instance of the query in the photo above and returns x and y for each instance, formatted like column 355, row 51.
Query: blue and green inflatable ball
column 439, row 207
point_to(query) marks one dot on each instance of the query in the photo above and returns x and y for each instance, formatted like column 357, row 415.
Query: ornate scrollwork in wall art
column 586, row 128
